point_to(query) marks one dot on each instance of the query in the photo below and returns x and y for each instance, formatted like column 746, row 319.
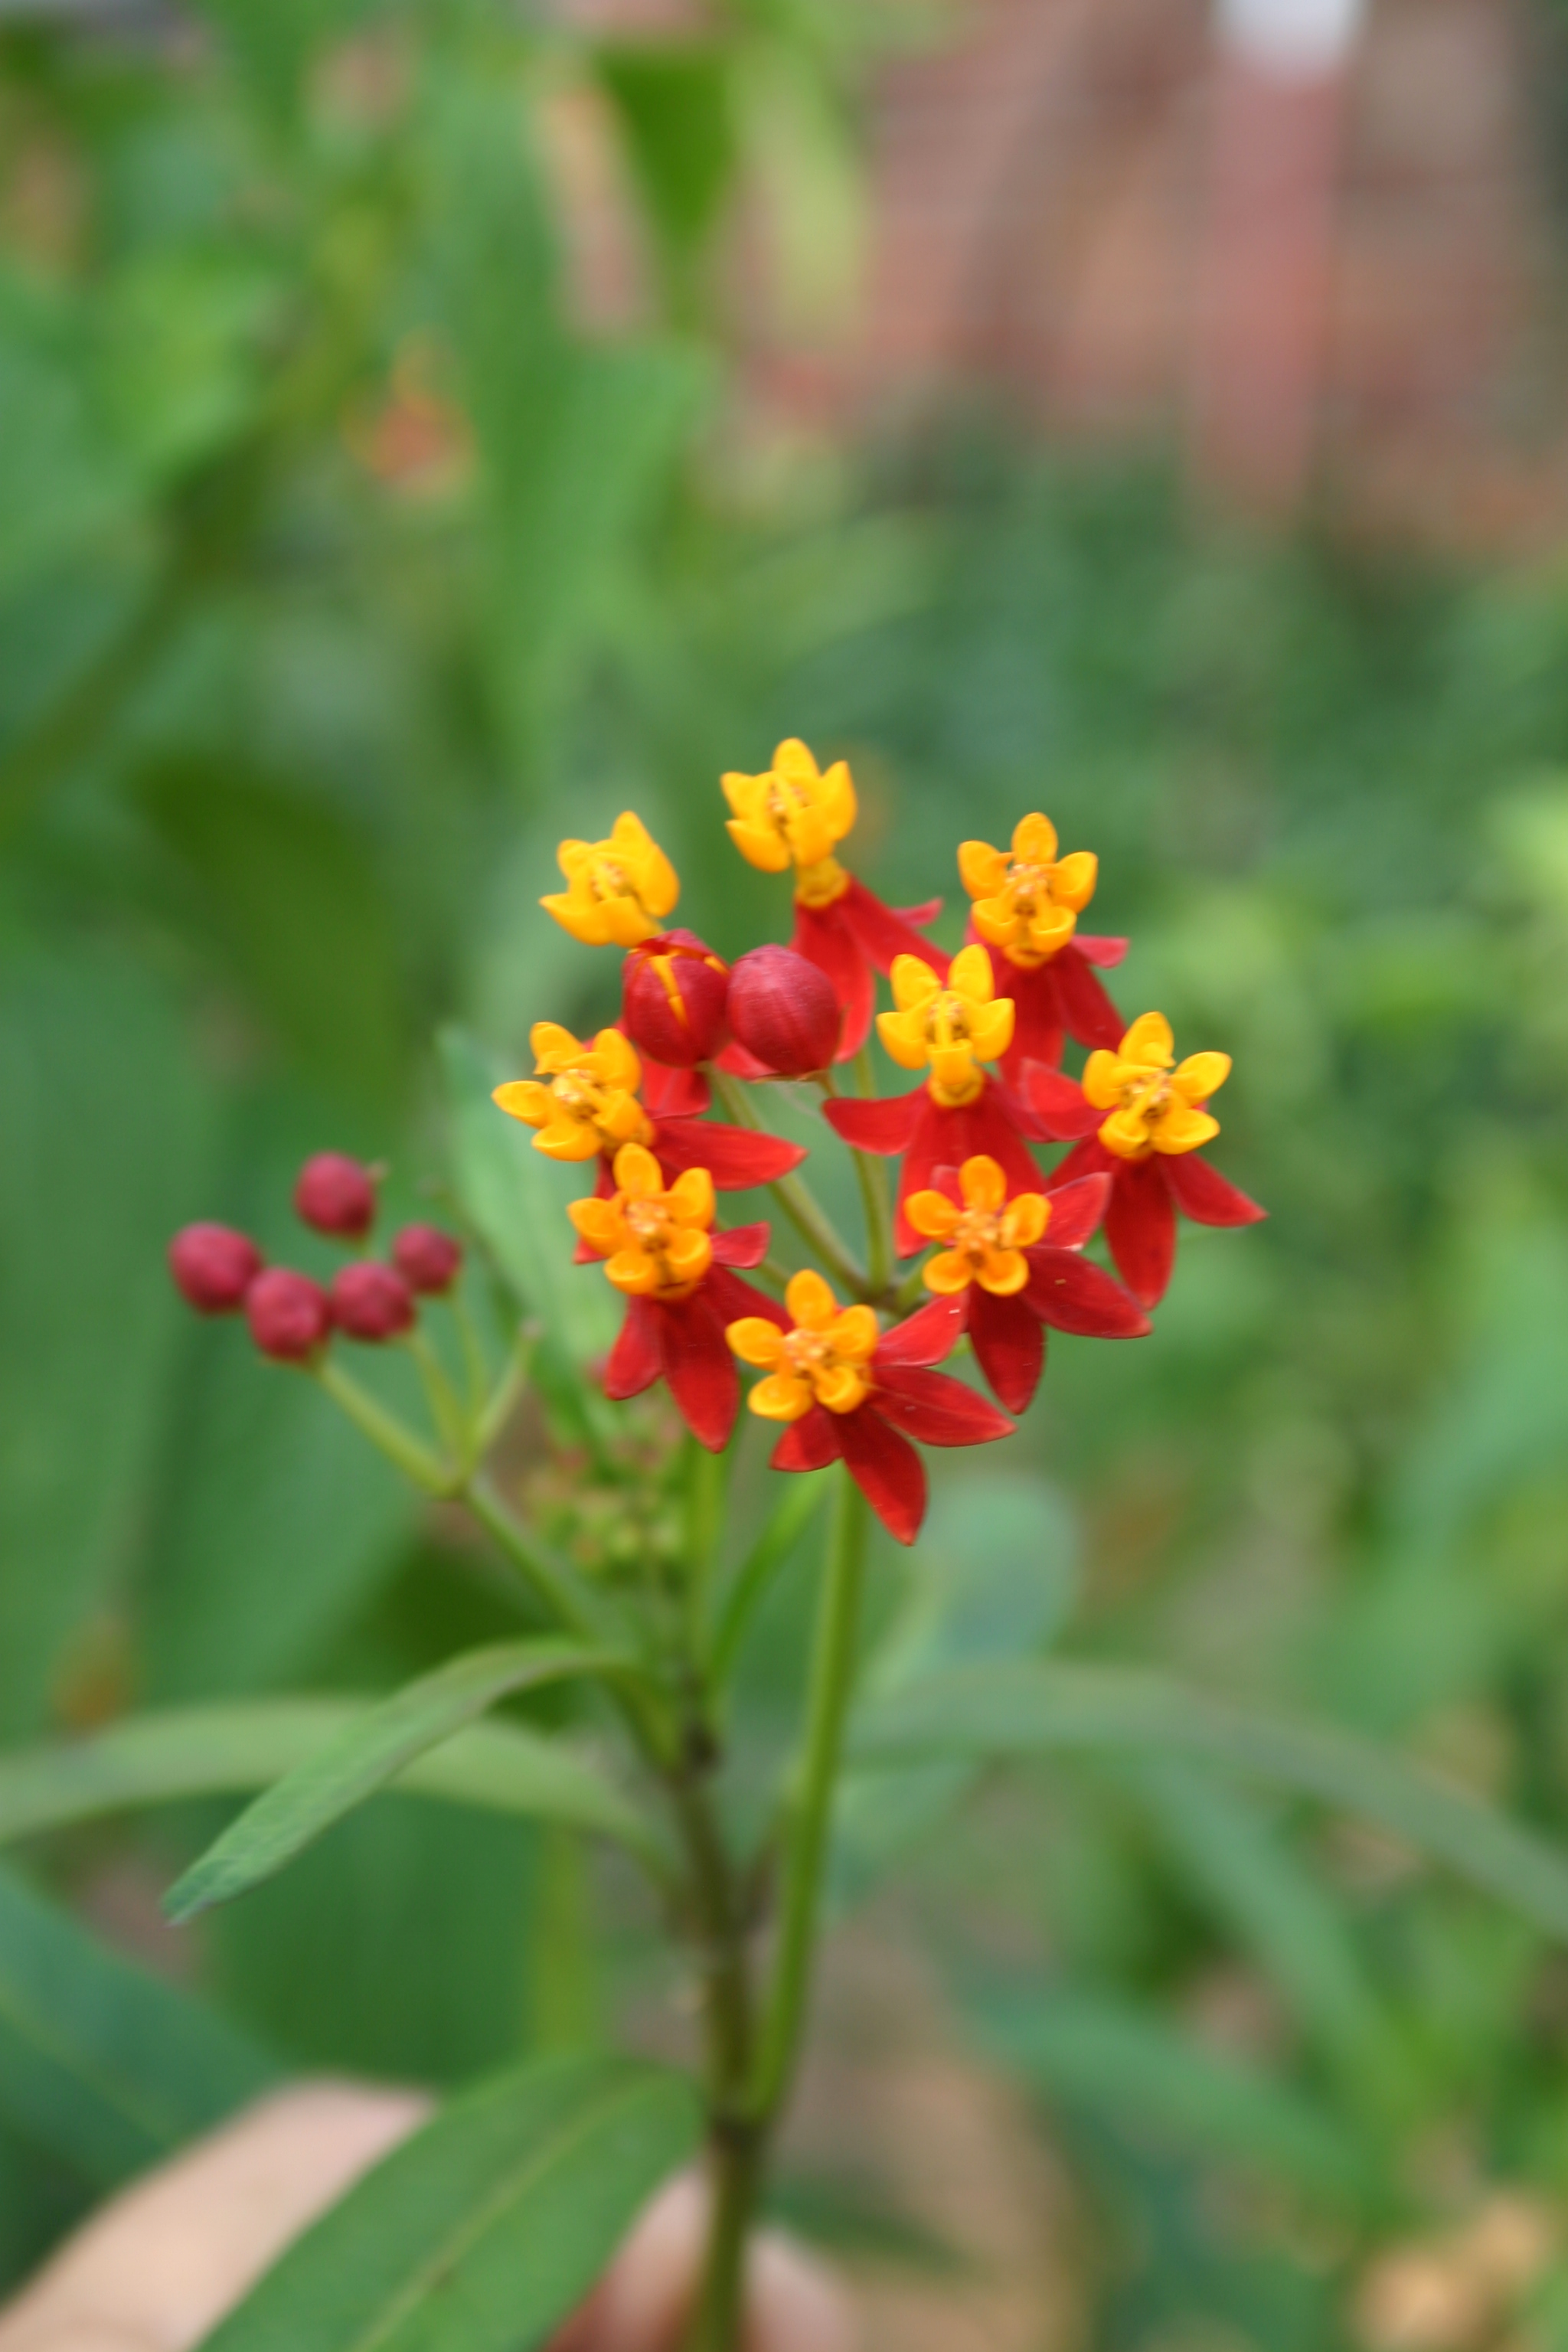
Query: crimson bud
column 784, row 1011
column 371, row 1301
column 213, row 1267
column 427, row 1259
column 336, row 1195
column 291, row 1317
column 672, row 1000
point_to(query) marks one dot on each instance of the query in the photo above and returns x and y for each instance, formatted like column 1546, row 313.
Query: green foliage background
column 285, row 749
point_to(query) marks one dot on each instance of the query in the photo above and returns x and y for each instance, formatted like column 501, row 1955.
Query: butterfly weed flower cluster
column 1006, row 1168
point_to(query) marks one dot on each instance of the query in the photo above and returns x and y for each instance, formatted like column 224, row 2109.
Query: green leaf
column 1034, row 1709
column 364, row 1757
column 1125, row 2064
column 104, row 2065
column 107, row 1153
column 673, row 102
column 485, row 2231
column 154, row 1759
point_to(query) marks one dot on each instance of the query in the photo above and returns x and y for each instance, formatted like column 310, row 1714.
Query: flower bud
column 213, row 1267
column 291, row 1317
column 429, row 1260
column 784, row 1011
column 336, row 1195
column 371, row 1301
column 672, row 1000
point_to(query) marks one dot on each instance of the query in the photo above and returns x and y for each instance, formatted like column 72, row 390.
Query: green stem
column 474, row 1365
column 704, row 1525
column 801, row 1499
column 871, row 1175
column 384, row 1430
column 796, row 1199
column 811, row 1806
column 457, row 1433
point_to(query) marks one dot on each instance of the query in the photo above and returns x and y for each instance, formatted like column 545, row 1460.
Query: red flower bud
column 291, row 1317
column 672, row 1000
column 213, row 1267
column 427, row 1259
column 784, row 1011
column 371, row 1301
column 336, row 1195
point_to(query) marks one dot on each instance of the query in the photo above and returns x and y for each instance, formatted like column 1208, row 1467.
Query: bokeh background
column 426, row 429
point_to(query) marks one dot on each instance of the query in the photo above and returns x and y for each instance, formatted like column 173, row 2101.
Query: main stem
column 747, row 2089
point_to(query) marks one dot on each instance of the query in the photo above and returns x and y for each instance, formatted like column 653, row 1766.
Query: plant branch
column 811, row 1800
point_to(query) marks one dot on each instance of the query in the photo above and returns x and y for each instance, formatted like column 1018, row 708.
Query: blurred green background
column 341, row 573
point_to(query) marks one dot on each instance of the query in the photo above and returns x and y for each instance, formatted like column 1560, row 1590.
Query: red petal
column 881, row 934
column 1058, row 1104
column 1087, row 1011
column 1088, row 1157
column 1038, row 1022
column 673, row 1094
column 634, row 1361
column 1009, row 1346
column 1106, row 953
column 885, row 1468
column 1076, row 1211
column 935, row 1408
column 701, row 1372
column 1141, row 1227
column 1202, row 1193
column 809, row 1444
column 735, row 1157
column 824, row 939
column 886, row 1125
column 736, row 1063
column 1072, row 1294
column 927, row 1336
column 731, row 1298
column 744, row 1245
column 926, row 912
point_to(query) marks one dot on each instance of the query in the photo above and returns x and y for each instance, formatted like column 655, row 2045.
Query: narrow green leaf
column 107, row 2067
column 482, row 2232
column 154, row 1759
column 1031, row 1709
column 1135, row 2069
column 364, row 1757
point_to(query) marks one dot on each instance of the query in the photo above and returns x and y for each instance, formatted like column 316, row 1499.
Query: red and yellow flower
column 848, row 1391
column 949, row 1027
column 1024, row 910
column 794, row 816
column 1139, row 1116
column 582, row 1103
column 676, row 1274
column 1013, row 1264
column 618, row 891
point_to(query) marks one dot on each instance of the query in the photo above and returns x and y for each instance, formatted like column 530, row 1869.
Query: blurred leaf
column 1023, row 1710
column 276, row 1521
column 62, row 482
column 107, row 1153
column 1126, row 2065
column 483, row 2231
column 575, row 439
column 993, row 1577
column 179, row 365
column 231, row 1750
column 1237, row 1862
column 273, row 46
column 364, row 1757
column 288, row 894
column 109, row 2067
column 673, row 103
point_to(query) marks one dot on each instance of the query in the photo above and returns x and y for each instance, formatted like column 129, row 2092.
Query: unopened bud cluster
column 292, row 1317
column 682, row 1005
